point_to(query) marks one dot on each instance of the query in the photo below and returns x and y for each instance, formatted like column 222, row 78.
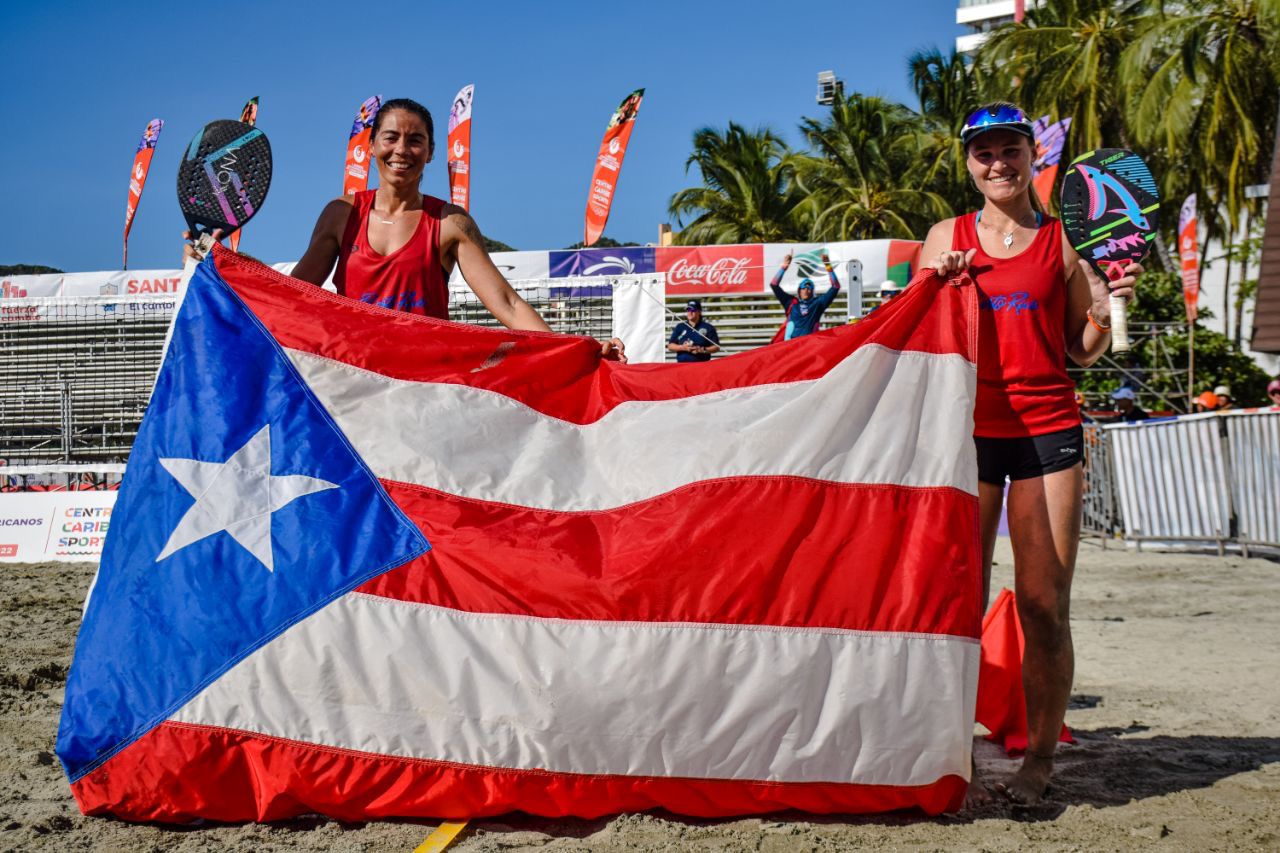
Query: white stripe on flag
column 704, row 701
column 911, row 414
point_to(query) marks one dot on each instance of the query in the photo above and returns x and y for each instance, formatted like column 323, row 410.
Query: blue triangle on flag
column 243, row 510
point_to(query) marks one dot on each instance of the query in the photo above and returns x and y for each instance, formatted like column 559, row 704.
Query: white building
column 982, row 16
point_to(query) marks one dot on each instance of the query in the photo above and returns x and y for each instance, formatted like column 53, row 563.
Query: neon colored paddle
column 1109, row 208
column 223, row 179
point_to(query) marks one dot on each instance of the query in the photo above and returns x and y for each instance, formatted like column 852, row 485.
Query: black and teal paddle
column 1109, row 207
column 223, row 179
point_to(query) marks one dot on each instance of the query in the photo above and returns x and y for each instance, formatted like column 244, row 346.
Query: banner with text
column 355, row 177
column 64, row 526
column 1189, row 255
column 604, row 180
column 138, row 177
column 709, row 270
column 1050, row 137
column 460, row 148
column 248, row 115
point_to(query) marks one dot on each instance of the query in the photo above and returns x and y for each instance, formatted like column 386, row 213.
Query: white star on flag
column 237, row 496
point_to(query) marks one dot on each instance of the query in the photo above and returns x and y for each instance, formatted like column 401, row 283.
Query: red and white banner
column 1189, row 255
column 248, row 115
column 604, row 180
column 459, row 156
column 138, row 177
column 742, row 588
column 355, row 175
column 706, row 270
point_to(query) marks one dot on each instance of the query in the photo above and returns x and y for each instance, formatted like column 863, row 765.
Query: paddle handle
column 1119, row 324
column 204, row 245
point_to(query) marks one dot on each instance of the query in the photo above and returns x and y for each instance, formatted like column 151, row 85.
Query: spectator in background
column 1223, row 393
column 888, row 290
column 1206, row 402
column 1273, row 393
column 1127, row 402
column 693, row 339
column 804, row 310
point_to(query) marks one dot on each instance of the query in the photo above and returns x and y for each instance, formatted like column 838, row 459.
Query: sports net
column 75, row 376
column 76, row 372
column 573, row 306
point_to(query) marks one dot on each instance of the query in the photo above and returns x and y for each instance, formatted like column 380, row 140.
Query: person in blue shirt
column 804, row 310
column 693, row 339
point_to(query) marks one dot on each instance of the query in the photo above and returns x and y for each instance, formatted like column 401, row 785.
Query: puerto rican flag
column 367, row 564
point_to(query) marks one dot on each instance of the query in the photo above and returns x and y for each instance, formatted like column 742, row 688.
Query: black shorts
column 1033, row 456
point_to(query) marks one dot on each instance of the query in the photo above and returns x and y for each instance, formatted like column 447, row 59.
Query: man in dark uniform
column 693, row 339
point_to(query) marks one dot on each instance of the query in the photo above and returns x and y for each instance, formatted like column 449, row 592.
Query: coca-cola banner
column 459, row 154
column 629, row 260
column 138, row 177
column 355, row 175
column 707, row 270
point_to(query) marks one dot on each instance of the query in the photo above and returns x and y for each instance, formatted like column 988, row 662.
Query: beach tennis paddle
column 1108, row 205
column 223, row 179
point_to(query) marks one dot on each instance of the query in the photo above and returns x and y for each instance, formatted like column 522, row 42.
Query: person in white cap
column 888, row 290
column 1223, row 393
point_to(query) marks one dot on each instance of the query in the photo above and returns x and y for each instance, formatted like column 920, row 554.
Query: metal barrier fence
column 1211, row 478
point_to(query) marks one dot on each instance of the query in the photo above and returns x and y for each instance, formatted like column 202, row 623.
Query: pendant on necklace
column 1008, row 239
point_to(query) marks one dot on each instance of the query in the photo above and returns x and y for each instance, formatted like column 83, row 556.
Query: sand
column 1176, row 708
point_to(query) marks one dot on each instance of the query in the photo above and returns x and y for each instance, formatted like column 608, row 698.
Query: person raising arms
column 396, row 247
column 1039, row 303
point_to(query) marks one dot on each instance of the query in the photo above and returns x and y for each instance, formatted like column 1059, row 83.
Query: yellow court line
column 441, row 837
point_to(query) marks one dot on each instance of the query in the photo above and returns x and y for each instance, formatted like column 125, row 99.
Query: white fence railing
column 1211, row 478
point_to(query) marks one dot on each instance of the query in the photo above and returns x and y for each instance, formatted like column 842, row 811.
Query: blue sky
column 83, row 79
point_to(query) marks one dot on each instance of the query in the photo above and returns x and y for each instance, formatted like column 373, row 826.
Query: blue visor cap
column 1001, row 117
column 804, row 282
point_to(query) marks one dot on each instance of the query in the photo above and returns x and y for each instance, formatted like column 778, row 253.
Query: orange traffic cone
column 1002, row 706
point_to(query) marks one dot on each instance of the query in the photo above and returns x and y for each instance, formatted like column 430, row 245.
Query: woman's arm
column 462, row 235
column 937, row 254
column 1089, row 295
column 326, row 240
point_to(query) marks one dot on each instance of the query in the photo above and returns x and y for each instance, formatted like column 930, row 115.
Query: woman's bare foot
column 978, row 796
column 1027, row 786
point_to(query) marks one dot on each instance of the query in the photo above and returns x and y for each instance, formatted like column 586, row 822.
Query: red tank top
column 1023, row 387
column 410, row 279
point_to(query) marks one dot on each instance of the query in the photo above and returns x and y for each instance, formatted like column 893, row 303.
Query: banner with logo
column 65, row 526
column 626, row 260
column 707, row 270
column 138, row 177
column 1049, row 141
column 460, row 148
column 608, row 164
column 248, row 115
column 1189, row 255
column 355, row 177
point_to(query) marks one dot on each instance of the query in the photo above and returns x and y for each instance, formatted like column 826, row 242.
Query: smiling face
column 1000, row 163
column 403, row 148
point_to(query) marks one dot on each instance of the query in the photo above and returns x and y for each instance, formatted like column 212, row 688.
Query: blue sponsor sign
column 626, row 261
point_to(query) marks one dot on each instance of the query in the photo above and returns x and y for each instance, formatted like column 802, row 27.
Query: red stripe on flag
column 860, row 557
column 226, row 775
column 560, row 375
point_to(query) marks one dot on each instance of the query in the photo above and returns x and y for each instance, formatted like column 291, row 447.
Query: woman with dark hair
column 1039, row 303
column 396, row 247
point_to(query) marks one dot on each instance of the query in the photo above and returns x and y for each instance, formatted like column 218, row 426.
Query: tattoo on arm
column 470, row 230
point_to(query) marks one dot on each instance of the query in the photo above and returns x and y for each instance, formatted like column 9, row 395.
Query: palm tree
column 1213, row 69
column 1061, row 59
column 748, row 192
column 867, row 180
column 949, row 87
